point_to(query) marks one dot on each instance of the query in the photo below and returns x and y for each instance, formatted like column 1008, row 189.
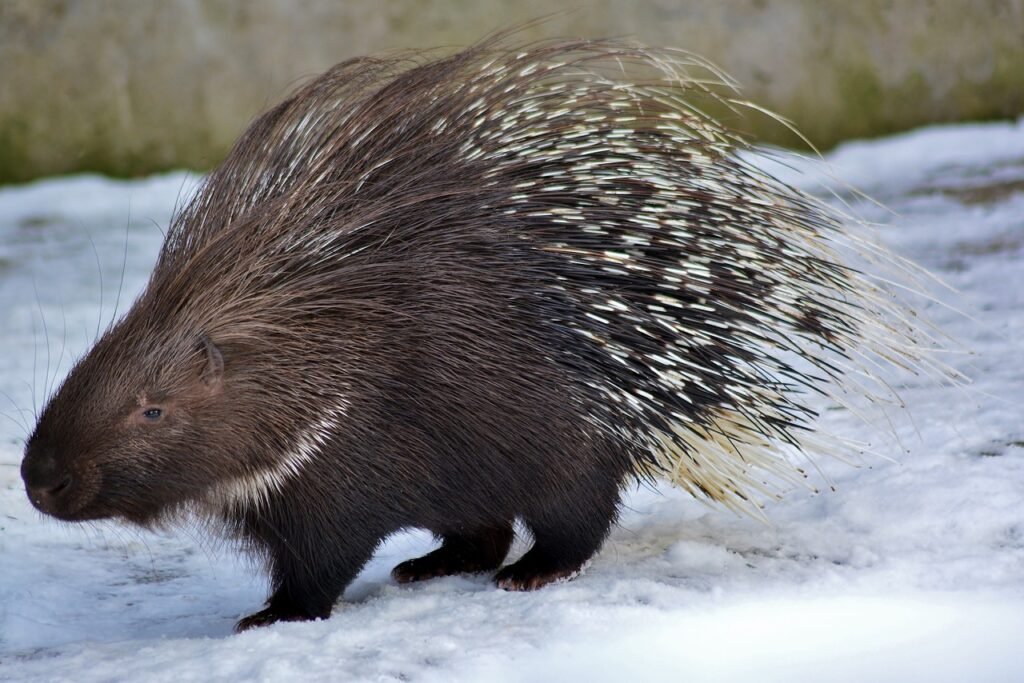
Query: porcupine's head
column 125, row 435
column 207, row 392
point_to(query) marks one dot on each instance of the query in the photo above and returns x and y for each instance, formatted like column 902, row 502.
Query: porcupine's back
column 689, row 299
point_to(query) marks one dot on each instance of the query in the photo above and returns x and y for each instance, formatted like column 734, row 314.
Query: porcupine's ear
column 213, row 371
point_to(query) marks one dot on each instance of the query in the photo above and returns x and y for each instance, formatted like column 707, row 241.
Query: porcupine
column 453, row 293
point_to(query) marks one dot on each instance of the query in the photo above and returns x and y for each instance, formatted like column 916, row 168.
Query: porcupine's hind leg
column 567, row 532
column 480, row 551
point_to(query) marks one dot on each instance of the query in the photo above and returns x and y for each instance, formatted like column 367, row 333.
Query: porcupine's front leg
column 309, row 566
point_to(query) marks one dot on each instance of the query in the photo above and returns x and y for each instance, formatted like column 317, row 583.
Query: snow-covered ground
column 910, row 570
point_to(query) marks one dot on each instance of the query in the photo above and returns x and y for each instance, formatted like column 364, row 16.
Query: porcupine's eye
column 149, row 415
column 152, row 414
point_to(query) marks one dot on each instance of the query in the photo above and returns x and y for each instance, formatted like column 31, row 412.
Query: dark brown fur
column 434, row 336
column 360, row 324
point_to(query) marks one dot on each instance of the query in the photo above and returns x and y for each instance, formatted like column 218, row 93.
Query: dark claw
column 271, row 615
column 416, row 570
column 529, row 574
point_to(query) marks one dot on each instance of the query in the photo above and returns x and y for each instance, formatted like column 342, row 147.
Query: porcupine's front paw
column 274, row 613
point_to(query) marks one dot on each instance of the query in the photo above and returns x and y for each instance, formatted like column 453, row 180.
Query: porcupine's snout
column 47, row 482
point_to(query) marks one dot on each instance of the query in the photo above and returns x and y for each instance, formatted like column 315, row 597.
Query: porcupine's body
column 450, row 295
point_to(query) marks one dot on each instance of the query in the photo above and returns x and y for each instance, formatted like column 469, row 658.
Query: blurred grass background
column 128, row 87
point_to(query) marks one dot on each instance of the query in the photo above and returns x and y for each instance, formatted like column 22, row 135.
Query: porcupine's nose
column 46, row 481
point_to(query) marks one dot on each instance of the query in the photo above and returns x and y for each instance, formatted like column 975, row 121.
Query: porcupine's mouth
column 72, row 496
column 66, row 503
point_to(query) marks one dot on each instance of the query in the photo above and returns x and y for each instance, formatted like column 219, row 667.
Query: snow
column 911, row 569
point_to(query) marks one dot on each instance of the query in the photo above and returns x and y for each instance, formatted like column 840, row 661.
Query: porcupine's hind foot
column 535, row 570
column 481, row 551
column 565, row 537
